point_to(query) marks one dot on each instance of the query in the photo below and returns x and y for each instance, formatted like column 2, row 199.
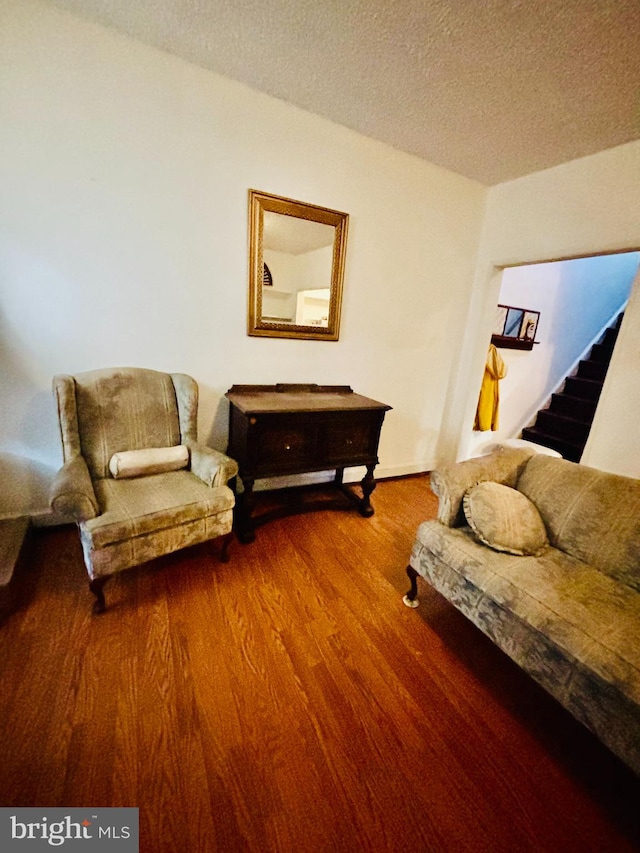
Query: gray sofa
column 569, row 614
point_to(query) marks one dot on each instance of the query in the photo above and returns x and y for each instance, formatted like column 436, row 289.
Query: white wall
column 124, row 175
column 588, row 206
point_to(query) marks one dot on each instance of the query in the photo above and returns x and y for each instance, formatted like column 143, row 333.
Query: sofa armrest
column 452, row 481
column 211, row 466
column 72, row 491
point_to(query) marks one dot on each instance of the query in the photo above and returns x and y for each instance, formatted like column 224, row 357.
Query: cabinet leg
column 368, row 484
column 227, row 539
column 244, row 506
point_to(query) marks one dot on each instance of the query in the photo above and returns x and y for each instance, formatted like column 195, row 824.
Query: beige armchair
column 134, row 477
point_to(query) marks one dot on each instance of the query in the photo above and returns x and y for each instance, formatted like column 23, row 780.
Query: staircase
column 565, row 425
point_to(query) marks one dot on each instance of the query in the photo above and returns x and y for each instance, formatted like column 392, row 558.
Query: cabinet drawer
column 284, row 448
column 346, row 441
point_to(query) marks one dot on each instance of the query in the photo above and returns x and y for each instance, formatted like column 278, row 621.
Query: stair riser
column 564, row 428
column 601, row 353
column 567, row 450
column 610, row 337
column 586, row 389
column 573, row 407
column 592, row 370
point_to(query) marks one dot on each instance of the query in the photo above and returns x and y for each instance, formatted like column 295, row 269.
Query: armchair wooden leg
column 411, row 598
column 227, row 539
column 96, row 586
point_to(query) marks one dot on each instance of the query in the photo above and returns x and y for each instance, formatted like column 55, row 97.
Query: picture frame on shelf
column 515, row 328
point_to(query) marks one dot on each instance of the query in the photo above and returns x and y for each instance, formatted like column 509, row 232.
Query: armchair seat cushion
column 136, row 507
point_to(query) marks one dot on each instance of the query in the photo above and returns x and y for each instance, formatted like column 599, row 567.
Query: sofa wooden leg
column 227, row 539
column 411, row 598
column 97, row 588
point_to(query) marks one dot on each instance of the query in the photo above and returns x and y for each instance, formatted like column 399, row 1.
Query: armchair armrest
column 211, row 466
column 452, row 481
column 72, row 491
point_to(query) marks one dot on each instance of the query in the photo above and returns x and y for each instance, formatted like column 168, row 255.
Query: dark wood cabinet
column 285, row 429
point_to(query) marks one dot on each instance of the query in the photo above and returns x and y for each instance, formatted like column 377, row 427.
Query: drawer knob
column 287, row 447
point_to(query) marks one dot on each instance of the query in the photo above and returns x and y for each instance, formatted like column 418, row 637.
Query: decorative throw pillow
column 505, row 519
column 151, row 460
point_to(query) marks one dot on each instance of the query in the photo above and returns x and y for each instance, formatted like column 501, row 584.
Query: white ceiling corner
column 491, row 89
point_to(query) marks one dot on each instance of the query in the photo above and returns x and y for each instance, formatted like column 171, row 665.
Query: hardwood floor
column 288, row 701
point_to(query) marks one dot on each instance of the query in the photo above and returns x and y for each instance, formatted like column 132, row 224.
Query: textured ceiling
column 492, row 89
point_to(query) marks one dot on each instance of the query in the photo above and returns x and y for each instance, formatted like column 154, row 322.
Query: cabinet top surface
column 299, row 398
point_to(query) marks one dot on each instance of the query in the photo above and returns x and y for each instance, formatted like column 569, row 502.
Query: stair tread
column 569, row 401
column 563, row 417
column 566, row 396
column 542, row 434
column 586, row 379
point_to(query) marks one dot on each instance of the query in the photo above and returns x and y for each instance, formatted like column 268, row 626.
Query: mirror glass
column 296, row 268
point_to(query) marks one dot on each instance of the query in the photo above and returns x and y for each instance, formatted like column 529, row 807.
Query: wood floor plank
column 288, row 701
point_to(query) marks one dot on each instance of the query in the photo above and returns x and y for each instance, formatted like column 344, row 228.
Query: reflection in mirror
column 296, row 268
column 299, row 255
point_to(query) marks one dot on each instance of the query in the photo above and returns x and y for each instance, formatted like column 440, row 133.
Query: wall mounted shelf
column 504, row 342
column 515, row 328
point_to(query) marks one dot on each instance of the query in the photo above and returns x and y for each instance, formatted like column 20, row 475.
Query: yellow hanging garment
column 487, row 412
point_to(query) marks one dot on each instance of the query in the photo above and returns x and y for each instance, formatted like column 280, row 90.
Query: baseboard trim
column 48, row 518
column 351, row 475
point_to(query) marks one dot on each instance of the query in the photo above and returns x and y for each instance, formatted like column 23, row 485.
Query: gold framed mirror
column 296, row 268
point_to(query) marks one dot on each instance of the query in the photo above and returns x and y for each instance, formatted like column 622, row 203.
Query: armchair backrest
column 102, row 412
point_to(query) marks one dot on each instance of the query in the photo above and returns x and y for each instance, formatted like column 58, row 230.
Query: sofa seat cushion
column 136, row 507
column 563, row 621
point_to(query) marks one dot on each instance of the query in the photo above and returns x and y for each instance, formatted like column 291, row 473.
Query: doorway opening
column 574, row 302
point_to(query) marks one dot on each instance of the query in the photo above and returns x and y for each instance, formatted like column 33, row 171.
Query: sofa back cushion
column 451, row 482
column 589, row 514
